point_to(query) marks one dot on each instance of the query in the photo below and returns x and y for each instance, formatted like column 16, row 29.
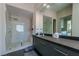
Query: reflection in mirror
column 54, row 25
column 47, row 25
column 65, row 26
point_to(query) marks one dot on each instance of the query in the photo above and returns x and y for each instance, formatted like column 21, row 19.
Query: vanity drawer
column 67, row 50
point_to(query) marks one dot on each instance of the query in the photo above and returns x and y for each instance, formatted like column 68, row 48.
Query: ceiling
column 58, row 6
column 37, row 6
column 53, row 6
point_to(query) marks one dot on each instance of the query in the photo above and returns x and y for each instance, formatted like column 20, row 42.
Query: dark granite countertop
column 66, row 42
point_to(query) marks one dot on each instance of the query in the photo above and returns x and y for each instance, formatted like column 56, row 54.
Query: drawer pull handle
column 61, row 52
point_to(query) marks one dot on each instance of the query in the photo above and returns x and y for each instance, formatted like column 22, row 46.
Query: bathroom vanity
column 49, row 46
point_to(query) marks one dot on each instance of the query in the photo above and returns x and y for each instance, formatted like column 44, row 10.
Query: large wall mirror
column 47, row 25
column 66, row 25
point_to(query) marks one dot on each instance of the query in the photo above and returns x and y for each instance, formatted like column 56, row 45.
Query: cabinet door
column 59, row 49
column 49, row 49
column 53, row 50
column 36, row 42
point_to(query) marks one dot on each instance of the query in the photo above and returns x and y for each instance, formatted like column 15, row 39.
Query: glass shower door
column 17, row 34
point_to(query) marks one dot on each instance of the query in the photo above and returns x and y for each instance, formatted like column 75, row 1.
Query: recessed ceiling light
column 44, row 4
column 48, row 6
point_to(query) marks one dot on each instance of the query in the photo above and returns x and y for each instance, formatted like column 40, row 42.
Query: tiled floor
column 31, row 53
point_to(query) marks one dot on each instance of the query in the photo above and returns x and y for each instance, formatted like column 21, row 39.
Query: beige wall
column 50, row 13
column 27, row 6
column 2, row 28
column 39, row 22
column 75, row 20
column 65, row 12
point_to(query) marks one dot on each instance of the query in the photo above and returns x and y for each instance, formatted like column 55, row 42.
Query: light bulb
column 48, row 6
column 44, row 4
